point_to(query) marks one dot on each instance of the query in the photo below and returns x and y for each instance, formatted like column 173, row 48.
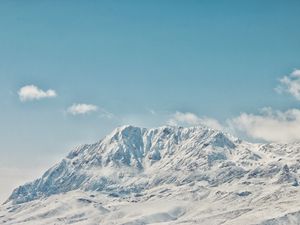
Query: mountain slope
column 169, row 174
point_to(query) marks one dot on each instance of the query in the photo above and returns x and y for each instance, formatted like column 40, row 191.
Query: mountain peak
column 132, row 159
column 125, row 151
column 138, row 164
column 125, row 131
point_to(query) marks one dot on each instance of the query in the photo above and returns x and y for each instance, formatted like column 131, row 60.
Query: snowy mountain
column 166, row 175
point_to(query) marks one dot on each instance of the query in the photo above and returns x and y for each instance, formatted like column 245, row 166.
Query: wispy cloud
column 191, row 119
column 269, row 125
column 80, row 109
column 105, row 114
column 32, row 92
column 290, row 84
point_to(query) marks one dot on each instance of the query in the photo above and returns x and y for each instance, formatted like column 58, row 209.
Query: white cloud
column 191, row 119
column 32, row 92
column 290, row 84
column 77, row 109
column 269, row 125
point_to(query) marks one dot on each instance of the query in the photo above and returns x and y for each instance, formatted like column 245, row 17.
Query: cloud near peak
column 32, row 92
column 191, row 119
column 80, row 109
column 290, row 84
column 269, row 125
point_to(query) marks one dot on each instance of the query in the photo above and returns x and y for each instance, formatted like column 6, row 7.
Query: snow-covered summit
column 132, row 159
column 127, row 150
column 185, row 165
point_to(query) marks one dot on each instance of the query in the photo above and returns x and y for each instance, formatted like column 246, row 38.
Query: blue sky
column 146, row 63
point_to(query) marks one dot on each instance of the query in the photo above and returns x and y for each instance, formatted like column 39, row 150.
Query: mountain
column 165, row 175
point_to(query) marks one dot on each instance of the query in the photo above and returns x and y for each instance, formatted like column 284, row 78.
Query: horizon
column 70, row 72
